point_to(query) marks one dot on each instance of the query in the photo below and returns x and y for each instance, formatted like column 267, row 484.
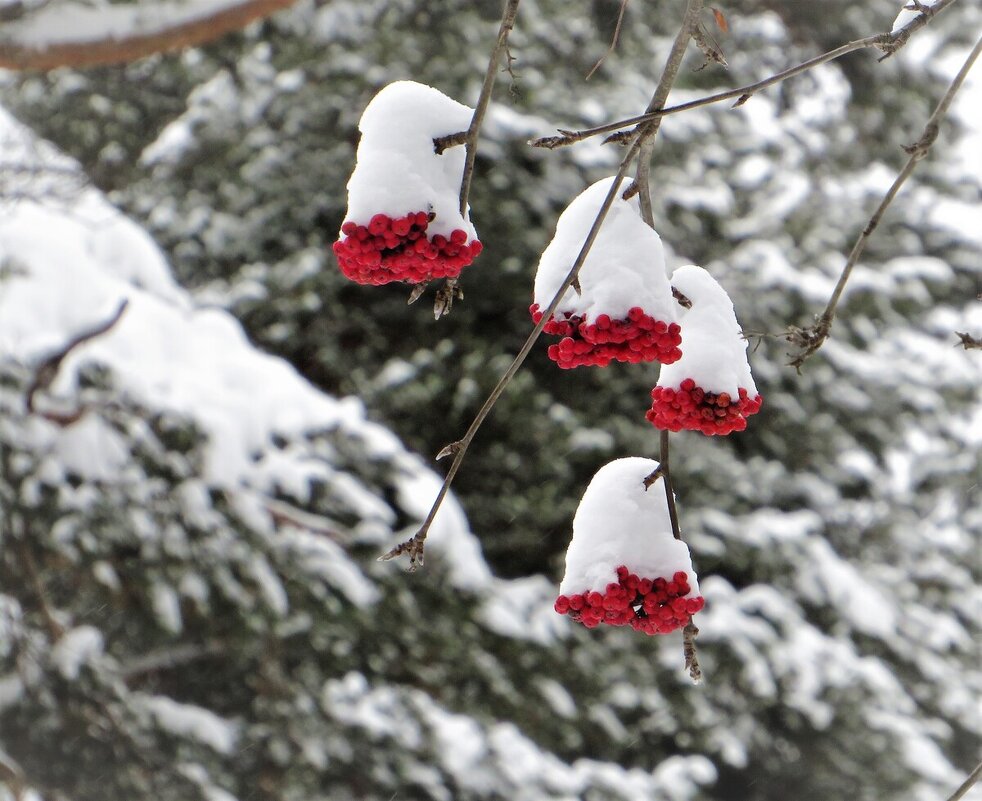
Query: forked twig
column 890, row 43
column 810, row 339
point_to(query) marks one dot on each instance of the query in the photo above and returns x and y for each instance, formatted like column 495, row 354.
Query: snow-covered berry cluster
column 637, row 338
column 622, row 309
column 710, row 389
column 624, row 566
column 387, row 250
column 652, row 606
column 690, row 407
column 404, row 221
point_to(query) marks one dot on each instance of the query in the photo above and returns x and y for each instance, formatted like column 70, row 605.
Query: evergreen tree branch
column 28, row 43
column 888, row 42
column 966, row 785
column 448, row 292
column 414, row 546
column 808, row 340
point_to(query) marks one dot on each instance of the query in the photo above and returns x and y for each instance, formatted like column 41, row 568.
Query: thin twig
column 808, row 340
column 170, row 658
column 887, row 42
column 47, row 370
column 449, row 292
column 55, row 629
column 474, row 131
column 415, row 544
column 966, row 785
column 613, row 41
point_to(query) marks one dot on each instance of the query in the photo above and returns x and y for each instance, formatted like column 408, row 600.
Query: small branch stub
column 445, row 296
column 413, row 546
column 443, row 143
column 449, row 450
column 968, row 342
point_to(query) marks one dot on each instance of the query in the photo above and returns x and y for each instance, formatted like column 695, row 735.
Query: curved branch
column 51, row 38
column 808, row 340
column 890, row 43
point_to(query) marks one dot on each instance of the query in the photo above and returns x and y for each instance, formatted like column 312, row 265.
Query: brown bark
column 17, row 56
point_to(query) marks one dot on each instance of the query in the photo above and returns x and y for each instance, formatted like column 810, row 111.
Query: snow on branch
column 76, row 34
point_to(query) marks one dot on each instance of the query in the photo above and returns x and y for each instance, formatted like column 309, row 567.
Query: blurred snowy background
column 190, row 605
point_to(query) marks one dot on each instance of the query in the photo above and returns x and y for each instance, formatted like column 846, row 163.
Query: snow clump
column 710, row 389
column 404, row 221
column 624, row 566
column 624, row 310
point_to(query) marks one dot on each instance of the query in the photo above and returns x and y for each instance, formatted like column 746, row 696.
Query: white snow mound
column 397, row 169
column 619, row 522
column 624, row 268
column 714, row 352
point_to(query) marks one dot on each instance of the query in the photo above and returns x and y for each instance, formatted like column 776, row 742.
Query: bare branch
column 414, row 546
column 966, row 785
column 474, row 131
column 170, row 658
column 690, row 23
column 26, row 558
column 443, row 143
column 808, row 340
column 450, row 291
column 21, row 48
column 883, row 41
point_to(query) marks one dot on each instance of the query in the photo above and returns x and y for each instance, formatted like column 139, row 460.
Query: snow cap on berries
column 620, row 523
column 624, row 269
column 398, row 170
column 714, row 352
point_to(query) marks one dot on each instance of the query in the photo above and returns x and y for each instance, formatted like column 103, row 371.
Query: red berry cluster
column 389, row 250
column 692, row 408
column 639, row 338
column 653, row 606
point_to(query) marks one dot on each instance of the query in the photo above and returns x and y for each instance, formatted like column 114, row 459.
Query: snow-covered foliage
column 836, row 538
